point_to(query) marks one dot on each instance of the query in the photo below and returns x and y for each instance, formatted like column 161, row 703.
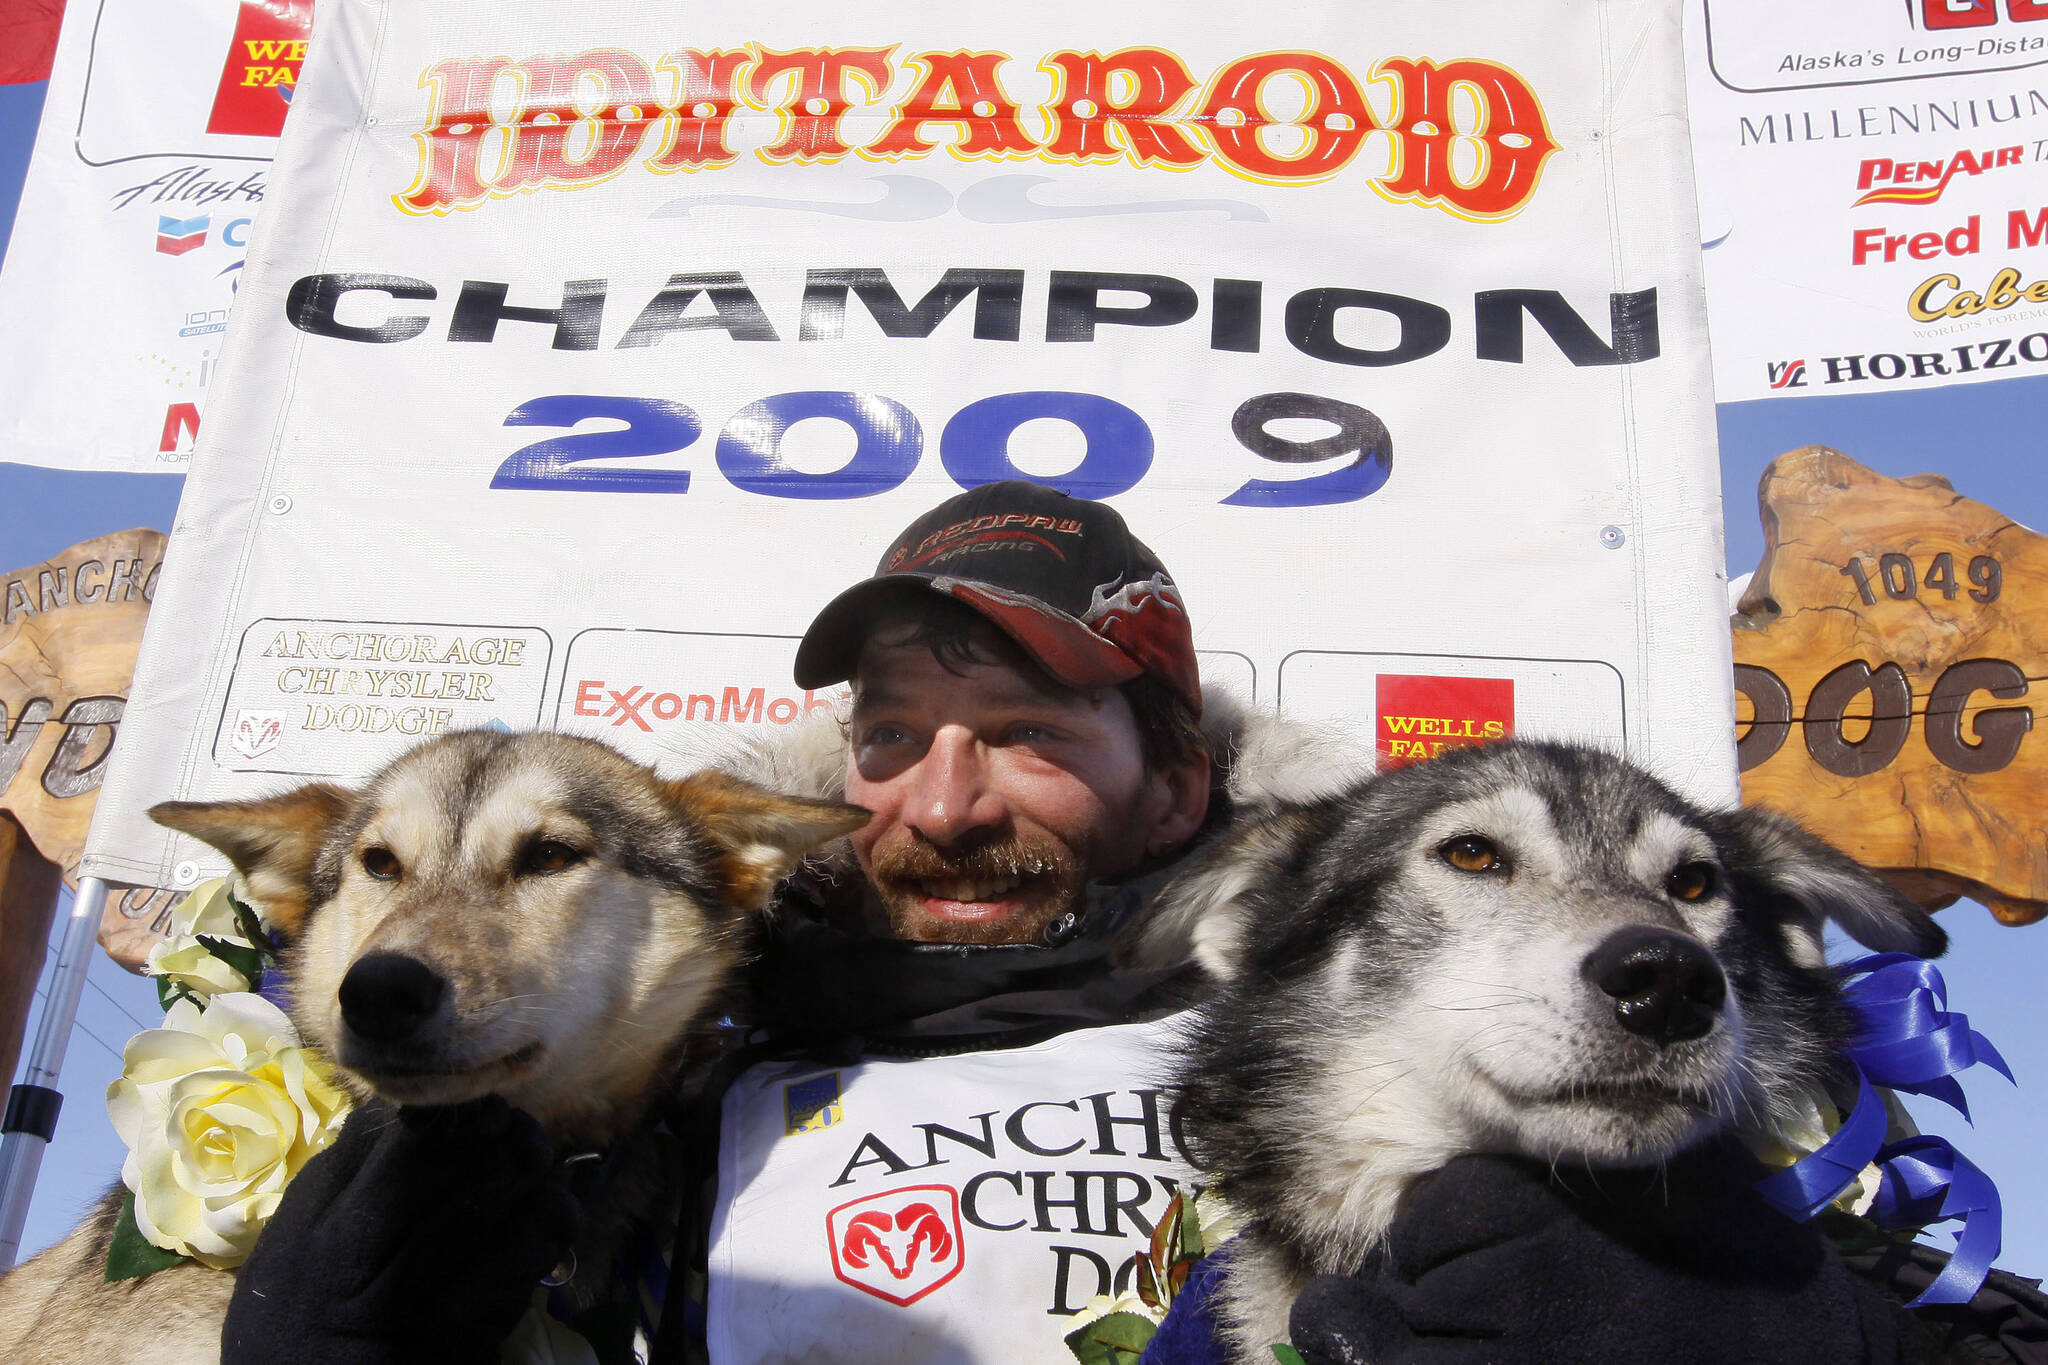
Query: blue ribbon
column 1907, row 1039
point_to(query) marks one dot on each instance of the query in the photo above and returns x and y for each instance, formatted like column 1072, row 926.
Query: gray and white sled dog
column 529, row 915
column 1521, row 948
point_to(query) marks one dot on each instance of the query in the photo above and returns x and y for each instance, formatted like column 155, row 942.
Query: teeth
column 972, row 891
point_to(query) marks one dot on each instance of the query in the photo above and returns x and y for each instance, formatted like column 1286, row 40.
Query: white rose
column 219, row 1108
column 1102, row 1305
column 187, row 961
column 1805, row 1130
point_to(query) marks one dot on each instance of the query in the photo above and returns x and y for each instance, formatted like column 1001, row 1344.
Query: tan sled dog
column 531, row 915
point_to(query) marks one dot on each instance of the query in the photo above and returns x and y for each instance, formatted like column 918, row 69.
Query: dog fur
column 1382, row 1010
column 578, row 992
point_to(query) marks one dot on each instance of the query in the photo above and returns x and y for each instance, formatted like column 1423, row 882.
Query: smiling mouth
column 960, row 898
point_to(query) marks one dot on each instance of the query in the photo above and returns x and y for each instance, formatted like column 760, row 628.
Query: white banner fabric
column 581, row 359
column 149, row 168
column 1873, row 191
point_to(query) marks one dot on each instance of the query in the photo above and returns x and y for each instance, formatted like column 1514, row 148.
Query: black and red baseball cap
column 1061, row 576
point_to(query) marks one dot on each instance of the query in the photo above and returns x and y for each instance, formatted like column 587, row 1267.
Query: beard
column 1035, row 881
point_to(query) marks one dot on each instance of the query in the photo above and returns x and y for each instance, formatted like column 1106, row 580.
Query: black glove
column 1499, row 1260
column 418, row 1236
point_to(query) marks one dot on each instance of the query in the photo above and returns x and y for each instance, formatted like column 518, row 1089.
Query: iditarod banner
column 582, row 355
column 133, row 230
column 1873, row 191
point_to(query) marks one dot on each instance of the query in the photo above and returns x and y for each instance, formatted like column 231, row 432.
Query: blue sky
column 1986, row 438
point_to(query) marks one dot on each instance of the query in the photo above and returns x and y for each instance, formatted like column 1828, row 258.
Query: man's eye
column 1028, row 732
column 880, row 733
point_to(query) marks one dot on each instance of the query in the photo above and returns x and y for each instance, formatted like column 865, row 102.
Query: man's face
column 997, row 794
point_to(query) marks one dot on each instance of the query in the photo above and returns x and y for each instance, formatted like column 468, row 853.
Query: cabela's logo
column 1465, row 136
column 899, row 1245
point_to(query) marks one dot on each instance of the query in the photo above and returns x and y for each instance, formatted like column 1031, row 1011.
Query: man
column 945, row 1130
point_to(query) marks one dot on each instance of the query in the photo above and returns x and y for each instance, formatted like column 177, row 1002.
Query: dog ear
column 1203, row 914
column 763, row 834
column 272, row 842
column 1831, row 885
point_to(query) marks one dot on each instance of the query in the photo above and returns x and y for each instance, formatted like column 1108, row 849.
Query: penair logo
column 1420, row 717
column 1465, row 136
column 899, row 1245
column 1885, row 181
column 261, row 68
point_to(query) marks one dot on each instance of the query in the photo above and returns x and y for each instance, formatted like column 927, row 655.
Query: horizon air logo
column 1940, row 15
column 1786, row 374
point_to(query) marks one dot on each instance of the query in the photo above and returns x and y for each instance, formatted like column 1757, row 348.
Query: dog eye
column 1690, row 881
column 1470, row 853
column 382, row 864
column 548, row 855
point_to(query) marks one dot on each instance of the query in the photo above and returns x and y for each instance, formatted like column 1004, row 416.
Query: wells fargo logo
column 1465, row 136
column 1420, row 717
column 262, row 67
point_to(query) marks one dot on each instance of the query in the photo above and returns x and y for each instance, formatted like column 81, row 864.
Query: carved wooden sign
column 69, row 631
column 1885, row 657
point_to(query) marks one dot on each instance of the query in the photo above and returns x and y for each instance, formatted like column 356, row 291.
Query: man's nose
column 952, row 801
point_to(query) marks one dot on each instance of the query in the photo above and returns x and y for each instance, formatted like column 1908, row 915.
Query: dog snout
column 389, row 997
column 1666, row 987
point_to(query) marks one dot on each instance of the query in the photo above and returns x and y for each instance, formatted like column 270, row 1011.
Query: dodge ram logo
column 899, row 1245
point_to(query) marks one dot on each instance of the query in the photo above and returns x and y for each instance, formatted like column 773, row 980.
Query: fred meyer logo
column 582, row 118
column 1885, row 181
column 1420, row 717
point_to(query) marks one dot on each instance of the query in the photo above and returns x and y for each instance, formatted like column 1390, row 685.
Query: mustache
column 984, row 862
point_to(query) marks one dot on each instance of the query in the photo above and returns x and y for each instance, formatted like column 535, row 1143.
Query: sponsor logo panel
column 339, row 698
column 1758, row 45
column 1419, row 704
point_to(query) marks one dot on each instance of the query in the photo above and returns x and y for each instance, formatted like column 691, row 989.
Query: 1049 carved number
column 1901, row 580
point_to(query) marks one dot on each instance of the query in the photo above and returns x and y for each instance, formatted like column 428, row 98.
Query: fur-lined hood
column 819, row 975
column 1261, row 756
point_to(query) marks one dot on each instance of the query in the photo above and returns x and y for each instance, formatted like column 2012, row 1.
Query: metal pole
column 31, row 1116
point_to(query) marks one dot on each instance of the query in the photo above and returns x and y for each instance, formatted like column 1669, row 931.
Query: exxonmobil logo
column 898, row 1245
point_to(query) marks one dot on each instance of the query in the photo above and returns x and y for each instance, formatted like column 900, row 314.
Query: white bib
column 946, row 1209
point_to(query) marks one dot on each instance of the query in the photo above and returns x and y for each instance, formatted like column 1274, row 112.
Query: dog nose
column 388, row 997
column 1666, row 987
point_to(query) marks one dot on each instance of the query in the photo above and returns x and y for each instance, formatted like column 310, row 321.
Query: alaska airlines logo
column 899, row 1245
column 1467, row 136
column 1922, row 182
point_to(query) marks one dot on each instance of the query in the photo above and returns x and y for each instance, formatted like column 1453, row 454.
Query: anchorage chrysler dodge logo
column 899, row 1245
